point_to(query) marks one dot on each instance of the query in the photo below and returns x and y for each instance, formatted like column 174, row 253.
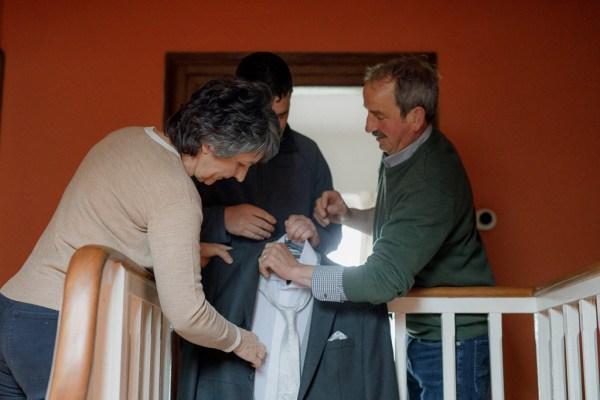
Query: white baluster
column 496, row 361
column 589, row 343
column 449, row 355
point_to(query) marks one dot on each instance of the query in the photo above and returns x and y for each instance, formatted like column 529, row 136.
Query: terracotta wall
column 519, row 98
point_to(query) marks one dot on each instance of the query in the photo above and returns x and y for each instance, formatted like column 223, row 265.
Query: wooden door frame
column 186, row 72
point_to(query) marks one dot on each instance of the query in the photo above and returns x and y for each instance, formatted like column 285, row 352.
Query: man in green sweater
column 423, row 227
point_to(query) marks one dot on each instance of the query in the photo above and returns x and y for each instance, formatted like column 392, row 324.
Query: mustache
column 378, row 134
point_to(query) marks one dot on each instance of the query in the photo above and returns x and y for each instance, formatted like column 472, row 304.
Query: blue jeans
column 27, row 339
column 424, row 369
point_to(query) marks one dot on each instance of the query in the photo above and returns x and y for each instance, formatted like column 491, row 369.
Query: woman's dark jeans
column 27, row 339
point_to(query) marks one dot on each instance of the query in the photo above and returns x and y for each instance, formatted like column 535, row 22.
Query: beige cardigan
column 133, row 195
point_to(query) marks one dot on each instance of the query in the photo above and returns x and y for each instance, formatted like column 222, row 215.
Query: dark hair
column 416, row 83
column 268, row 68
column 230, row 115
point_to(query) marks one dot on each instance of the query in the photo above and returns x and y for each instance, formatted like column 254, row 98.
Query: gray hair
column 416, row 83
column 231, row 116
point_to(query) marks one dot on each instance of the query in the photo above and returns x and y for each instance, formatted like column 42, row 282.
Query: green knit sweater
column 424, row 235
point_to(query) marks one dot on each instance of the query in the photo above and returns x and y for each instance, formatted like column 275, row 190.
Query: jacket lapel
column 323, row 315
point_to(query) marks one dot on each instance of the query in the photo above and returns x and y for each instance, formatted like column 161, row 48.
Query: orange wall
column 519, row 98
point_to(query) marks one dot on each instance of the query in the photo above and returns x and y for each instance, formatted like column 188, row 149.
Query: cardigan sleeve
column 173, row 234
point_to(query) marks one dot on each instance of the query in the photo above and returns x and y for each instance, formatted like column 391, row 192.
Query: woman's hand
column 251, row 349
column 209, row 250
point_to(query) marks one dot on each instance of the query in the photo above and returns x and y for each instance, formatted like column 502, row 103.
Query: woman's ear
column 205, row 149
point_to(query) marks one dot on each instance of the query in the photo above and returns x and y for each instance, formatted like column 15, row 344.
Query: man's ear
column 417, row 117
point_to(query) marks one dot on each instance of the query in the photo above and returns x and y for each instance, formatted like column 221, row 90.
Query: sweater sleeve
column 332, row 234
column 173, row 234
column 416, row 228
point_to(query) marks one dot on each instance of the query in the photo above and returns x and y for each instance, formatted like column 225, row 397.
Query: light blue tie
column 288, row 383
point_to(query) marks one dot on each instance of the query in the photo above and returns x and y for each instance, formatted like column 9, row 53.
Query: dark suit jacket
column 359, row 367
column 287, row 184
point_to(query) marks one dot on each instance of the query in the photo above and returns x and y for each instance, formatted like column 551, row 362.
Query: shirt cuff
column 238, row 339
column 327, row 283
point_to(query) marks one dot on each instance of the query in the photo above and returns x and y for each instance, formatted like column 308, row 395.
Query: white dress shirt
column 269, row 324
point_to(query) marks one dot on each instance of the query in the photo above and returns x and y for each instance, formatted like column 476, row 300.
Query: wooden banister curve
column 73, row 357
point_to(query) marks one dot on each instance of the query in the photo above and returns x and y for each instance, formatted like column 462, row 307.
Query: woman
column 133, row 192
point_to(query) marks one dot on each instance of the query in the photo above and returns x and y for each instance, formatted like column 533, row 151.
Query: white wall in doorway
column 334, row 117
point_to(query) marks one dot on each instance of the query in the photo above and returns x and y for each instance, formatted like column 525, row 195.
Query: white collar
column 151, row 131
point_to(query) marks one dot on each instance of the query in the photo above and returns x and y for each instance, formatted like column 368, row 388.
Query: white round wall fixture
column 486, row 219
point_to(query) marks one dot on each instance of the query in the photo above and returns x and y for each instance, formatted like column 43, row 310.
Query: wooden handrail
column 73, row 357
column 570, row 279
column 508, row 291
column 472, row 291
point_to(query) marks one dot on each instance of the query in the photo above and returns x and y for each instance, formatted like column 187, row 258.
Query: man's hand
column 251, row 349
column 209, row 250
column 330, row 208
column 276, row 258
column 249, row 221
column 300, row 228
